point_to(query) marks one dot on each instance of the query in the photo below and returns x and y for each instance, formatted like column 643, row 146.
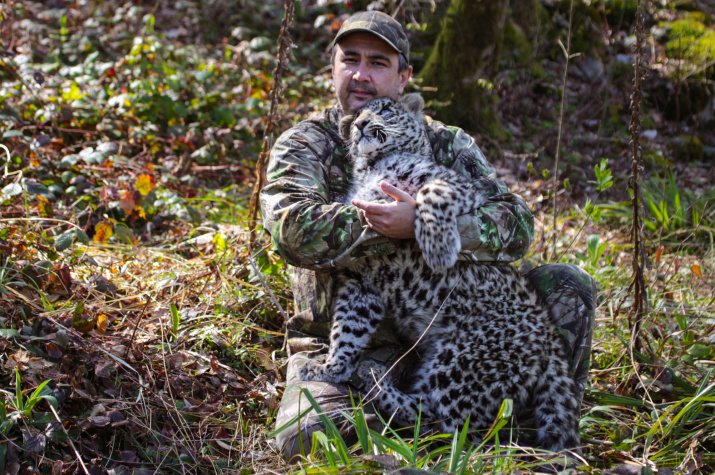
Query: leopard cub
column 483, row 336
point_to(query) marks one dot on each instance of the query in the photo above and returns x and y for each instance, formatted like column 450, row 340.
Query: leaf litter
column 158, row 337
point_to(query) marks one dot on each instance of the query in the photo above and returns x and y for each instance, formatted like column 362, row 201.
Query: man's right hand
column 395, row 219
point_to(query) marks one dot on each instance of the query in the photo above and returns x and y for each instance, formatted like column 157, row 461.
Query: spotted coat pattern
column 483, row 334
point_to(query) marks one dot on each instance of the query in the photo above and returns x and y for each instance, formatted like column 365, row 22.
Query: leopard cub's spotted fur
column 490, row 339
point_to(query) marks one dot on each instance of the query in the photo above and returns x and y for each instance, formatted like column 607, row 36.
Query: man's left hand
column 395, row 219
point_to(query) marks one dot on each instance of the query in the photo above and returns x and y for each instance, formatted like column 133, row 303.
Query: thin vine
column 284, row 44
column 639, row 255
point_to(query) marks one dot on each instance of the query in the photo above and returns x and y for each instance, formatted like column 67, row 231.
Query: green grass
column 172, row 361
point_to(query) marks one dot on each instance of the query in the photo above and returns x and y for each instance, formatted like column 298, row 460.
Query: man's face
column 365, row 68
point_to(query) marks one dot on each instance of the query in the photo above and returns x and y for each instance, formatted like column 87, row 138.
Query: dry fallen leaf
column 145, row 183
column 54, row 351
column 102, row 322
column 102, row 232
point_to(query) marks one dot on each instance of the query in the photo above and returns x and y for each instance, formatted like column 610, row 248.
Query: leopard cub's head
column 385, row 126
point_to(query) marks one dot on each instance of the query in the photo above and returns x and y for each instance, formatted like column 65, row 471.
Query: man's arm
column 307, row 229
column 502, row 229
column 310, row 231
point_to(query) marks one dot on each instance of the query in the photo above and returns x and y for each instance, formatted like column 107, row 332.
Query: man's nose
column 361, row 74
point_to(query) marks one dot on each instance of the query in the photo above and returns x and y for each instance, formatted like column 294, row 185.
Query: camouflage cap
column 379, row 24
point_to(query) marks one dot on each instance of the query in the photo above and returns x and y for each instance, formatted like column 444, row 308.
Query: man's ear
column 413, row 103
column 344, row 127
column 405, row 78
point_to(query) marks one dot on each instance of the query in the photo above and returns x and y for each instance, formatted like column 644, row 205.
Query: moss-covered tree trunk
column 463, row 62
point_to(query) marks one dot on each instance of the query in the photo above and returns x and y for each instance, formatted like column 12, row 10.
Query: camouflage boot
column 333, row 399
column 570, row 295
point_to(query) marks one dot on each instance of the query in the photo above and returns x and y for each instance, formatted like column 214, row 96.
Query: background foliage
column 132, row 130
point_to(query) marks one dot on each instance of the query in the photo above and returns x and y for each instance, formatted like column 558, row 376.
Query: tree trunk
column 464, row 61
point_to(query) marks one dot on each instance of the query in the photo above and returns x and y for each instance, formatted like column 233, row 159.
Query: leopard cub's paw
column 439, row 242
column 439, row 259
column 327, row 372
column 370, row 372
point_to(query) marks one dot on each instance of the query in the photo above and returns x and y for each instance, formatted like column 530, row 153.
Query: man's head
column 370, row 60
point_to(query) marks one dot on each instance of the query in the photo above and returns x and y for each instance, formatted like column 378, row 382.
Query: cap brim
column 366, row 30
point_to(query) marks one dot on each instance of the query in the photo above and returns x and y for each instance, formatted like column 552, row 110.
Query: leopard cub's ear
column 413, row 103
column 345, row 124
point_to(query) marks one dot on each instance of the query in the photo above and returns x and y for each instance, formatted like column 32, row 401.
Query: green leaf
column 9, row 333
column 78, row 310
column 8, row 134
column 330, row 426
column 175, row 319
column 35, row 444
column 124, row 234
column 65, row 240
column 699, row 351
column 460, row 438
column 82, row 236
column 11, row 190
column 19, row 404
column 41, row 392
column 35, row 188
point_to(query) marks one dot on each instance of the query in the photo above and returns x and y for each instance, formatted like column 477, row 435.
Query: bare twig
column 567, row 54
column 284, row 44
column 268, row 289
column 424, row 332
column 69, row 439
column 136, row 325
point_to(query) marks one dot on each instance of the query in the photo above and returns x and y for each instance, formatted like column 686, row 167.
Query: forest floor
column 141, row 333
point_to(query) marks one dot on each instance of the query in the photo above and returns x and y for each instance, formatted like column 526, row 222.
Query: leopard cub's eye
column 385, row 112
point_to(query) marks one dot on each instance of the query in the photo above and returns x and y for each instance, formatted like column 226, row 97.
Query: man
column 308, row 173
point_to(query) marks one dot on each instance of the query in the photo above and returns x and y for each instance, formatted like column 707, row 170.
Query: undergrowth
column 139, row 333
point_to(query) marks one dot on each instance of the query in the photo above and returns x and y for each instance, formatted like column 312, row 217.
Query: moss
column 621, row 12
column 657, row 159
column 691, row 40
column 537, row 71
column 586, row 37
column 517, row 49
column 463, row 60
column 687, row 147
column 647, row 122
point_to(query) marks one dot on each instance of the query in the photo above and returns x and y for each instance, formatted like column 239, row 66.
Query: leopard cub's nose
column 360, row 124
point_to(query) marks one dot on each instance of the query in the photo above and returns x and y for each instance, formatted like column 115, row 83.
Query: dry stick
column 434, row 317
column 639, row 257
column 69, row 439
column 567, row 54
column 33, row 218
column 268, row 289
column 131, row 341
column 284, row 44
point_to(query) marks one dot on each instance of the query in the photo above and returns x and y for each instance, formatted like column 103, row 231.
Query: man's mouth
column 360, row 91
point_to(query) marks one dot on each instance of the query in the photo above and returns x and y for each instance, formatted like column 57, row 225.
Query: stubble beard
column 354, row 86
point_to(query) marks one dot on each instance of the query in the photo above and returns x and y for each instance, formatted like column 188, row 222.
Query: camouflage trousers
column 568, row 292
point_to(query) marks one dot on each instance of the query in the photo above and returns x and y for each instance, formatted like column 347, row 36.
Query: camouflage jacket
column 309, row 173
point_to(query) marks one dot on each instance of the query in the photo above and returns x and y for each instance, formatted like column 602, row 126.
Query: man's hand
column 396, row 219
